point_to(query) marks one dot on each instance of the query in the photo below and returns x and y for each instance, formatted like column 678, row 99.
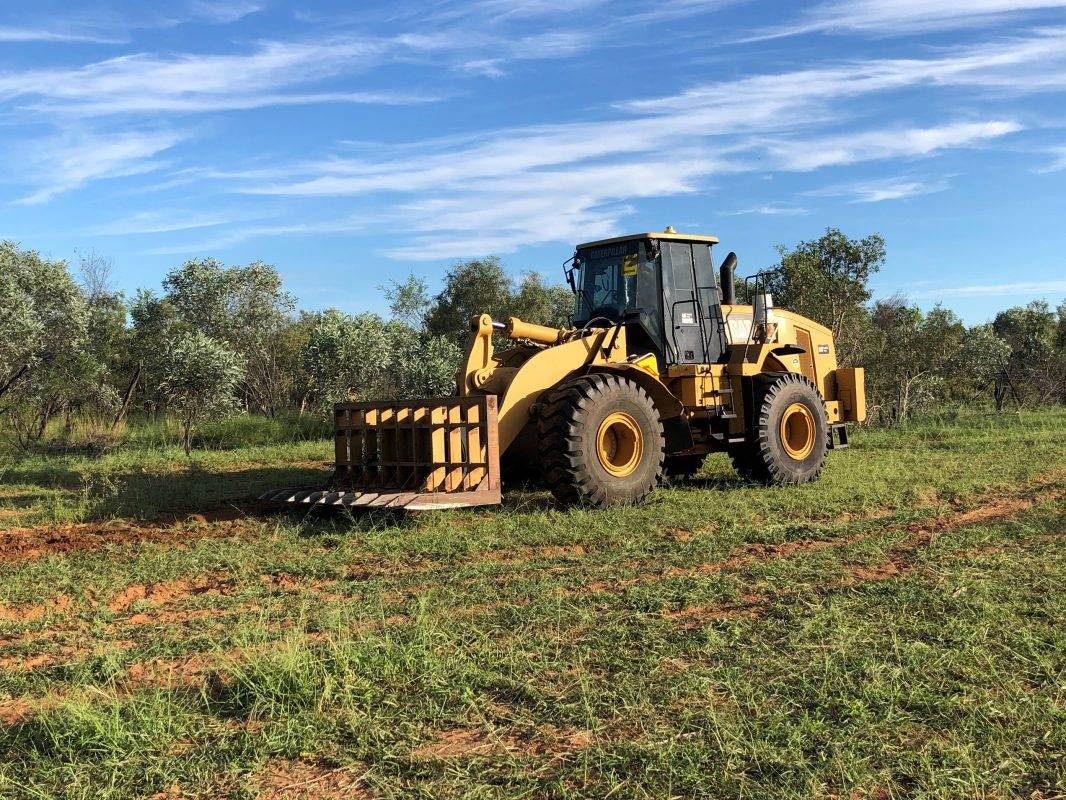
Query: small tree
column 202, row 376
column 827, row 280
column 45, row 362
column 248, row 310
column 1037, row 362
column 365, row 357
column 545, row 304
column 473, row 287
column 409, row 301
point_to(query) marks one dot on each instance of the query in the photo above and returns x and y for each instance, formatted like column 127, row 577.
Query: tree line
column 221, row 340
column 914, row 360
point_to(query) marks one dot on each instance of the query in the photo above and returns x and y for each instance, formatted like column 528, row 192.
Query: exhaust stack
column 726, row 272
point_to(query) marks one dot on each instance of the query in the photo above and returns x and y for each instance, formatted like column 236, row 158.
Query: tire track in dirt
column 27, row 544
column 193, row 666
column 191, row 669
column 898, row 563
column 923, row 533
column 171, row 593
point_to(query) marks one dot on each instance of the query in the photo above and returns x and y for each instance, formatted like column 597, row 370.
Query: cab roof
column 670, row 235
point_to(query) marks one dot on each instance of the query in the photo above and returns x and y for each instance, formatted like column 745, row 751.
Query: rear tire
column 601, row 441
column 790, row 434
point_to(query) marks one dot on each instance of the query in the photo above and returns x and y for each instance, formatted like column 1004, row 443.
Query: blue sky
column 351, row 143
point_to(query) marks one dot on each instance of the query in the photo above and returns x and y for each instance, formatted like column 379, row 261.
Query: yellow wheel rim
column 797, row 431
column 619, row 444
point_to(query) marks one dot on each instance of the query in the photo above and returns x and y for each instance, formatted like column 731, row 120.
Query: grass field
column 897, row 629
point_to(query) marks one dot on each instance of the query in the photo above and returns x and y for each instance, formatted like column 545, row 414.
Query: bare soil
column 288, row 779
column 22, row 544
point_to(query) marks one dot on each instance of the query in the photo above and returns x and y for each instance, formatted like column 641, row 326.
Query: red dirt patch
column 520, row 555
column 127, row 597
column 60, row 604
column 758, row 551
column 284, row 582
column 20, row 709
column 63, row 655
column 15, row 711
column 166, row 592
column 465, row 743
column 176, row 617
column 999, row 508
column 173, row 793
column 696, row 616
column 172, row 672
column 284, row 779
column 21, row 544
column 27, row 663
column 877, row 572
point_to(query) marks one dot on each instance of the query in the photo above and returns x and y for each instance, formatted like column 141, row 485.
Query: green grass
column 897, row 629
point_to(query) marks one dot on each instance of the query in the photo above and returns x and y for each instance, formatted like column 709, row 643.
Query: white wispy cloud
column 489, row 67
column 347, row 224
column 1058, row 160
column 274, row 73
column 769, row 210
column 100, row 27
column 802, row 155
column 759, row 122
column 992, row 290
column 903, row 16
column 551, row 183
column 38, row 34
column 502, row 188
column 223, row 12
column 70, row 160
column 145, row 83
column 1020, row 65
column 169, row 221
column 608, row 13
column 877, row 191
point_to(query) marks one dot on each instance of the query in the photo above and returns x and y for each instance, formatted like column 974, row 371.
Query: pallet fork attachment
column 415, row 455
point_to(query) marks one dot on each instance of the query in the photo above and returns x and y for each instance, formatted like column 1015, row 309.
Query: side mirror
column 568, row 270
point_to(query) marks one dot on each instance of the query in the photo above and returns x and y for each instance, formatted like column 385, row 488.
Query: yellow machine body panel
column 548, row 368
column 817, row 361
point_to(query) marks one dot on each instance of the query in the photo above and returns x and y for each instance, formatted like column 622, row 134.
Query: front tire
column 790, row 432
column 601, row 441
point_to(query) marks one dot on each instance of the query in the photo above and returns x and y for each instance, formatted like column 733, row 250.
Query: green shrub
column 252, row 430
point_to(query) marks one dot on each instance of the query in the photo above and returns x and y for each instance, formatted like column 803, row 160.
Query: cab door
column 681, row 310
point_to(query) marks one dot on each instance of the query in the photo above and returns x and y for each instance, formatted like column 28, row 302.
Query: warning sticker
column 629, row 265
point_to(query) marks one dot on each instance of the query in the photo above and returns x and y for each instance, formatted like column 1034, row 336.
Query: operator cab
column 661, row 286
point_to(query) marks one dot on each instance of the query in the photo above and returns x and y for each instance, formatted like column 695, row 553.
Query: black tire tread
column 756, row 461
column 561, row 436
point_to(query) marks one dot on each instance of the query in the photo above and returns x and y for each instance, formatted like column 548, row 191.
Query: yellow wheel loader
column 659, row 367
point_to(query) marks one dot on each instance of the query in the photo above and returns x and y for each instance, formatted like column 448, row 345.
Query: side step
column 838, row 436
